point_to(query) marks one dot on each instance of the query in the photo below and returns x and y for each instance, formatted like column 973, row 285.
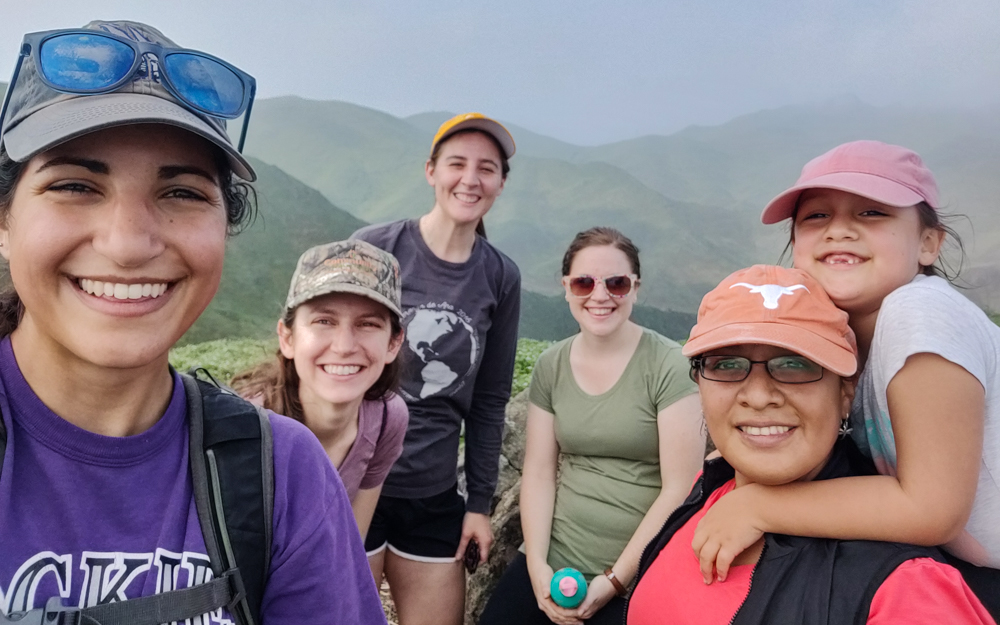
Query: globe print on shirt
column 445, row 350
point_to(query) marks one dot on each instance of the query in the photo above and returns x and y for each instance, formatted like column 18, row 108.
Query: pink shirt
column 919, row 591
column 372, row 455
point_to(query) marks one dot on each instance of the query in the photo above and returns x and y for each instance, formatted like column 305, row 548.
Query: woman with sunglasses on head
column 118, row 188
column 616, row 403
column 461, row 299
column 775, row 362
column 336, row 368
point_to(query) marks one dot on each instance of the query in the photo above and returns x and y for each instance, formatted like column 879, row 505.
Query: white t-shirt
column 929, row 316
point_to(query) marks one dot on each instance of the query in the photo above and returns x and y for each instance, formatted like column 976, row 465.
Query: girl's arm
column 682, row 446
column 363, row 507
column 938, row 411
column 538, row 497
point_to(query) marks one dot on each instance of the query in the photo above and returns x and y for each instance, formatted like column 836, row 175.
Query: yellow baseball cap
column 476, row 121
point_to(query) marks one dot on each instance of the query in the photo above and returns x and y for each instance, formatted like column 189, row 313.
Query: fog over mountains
column 690, row 200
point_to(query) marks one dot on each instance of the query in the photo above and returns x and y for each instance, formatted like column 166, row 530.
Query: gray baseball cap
column 351, row 266
column 39, row 118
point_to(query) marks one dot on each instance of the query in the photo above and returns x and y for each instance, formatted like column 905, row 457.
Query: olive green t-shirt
column 610, row 445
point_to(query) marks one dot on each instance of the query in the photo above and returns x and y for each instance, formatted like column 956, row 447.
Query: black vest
column 798, row 580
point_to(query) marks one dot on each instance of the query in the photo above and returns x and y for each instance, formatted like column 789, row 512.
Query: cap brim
column 340, row 287
column 866, row 185
column 71, row 118
column 799, row 340
column 493, row 128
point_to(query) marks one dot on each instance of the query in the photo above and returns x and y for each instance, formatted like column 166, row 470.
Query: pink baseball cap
column 886, row 173
column 770, row 305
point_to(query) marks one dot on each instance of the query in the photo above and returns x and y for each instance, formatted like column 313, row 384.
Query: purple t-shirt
column 94, row 519
column 376, row 447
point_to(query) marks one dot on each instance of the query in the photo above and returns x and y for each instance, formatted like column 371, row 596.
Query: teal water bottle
column 568, row 588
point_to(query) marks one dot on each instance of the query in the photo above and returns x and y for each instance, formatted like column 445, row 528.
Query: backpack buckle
column 236, row 590
column 54, row 613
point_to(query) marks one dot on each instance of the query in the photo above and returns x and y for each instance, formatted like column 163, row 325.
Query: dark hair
column 504, row 163
column 602, row 235
column 929, row 218
column 276, row 381
column 239, row 197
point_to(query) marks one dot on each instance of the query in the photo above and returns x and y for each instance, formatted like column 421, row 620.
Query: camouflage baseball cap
column 350, row 266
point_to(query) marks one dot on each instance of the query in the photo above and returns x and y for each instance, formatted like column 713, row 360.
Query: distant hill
column 690, row 200
column 260, row 260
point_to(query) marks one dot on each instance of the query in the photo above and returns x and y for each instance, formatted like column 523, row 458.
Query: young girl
column 461, row 298
column 336, row 367
column 866, row 226
column 615, row 401
column 117, row 193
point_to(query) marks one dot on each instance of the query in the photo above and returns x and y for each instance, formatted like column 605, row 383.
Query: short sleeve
column 543, row 377
column 926, row 592
column 390, row 443
column 673, row 380
column 316, row 546
column 929, row 316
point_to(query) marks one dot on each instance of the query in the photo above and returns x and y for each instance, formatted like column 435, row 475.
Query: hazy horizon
column 581, row 71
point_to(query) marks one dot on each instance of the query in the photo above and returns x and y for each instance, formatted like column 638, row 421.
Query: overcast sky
column 583, row 71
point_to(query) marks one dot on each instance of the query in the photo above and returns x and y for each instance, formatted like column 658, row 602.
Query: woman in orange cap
column 774, row 360
column 460, row 302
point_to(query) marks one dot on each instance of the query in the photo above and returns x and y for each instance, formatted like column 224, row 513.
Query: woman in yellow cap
column 460, row 303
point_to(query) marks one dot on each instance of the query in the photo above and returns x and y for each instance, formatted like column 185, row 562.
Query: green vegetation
column 528, row 351
column 224, row 358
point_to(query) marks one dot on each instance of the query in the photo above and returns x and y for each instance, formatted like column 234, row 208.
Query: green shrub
column 226, row 357
column 223, row 358
column 528, row 351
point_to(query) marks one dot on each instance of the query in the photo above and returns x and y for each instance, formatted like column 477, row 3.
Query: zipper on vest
column 642, row 556
column 753, row 574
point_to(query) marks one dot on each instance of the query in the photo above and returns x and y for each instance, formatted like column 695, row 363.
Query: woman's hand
column 476, row 526
column 541, row 578
column 727, row 530
column 599, row 592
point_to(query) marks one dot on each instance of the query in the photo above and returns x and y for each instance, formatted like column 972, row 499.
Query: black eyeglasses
column 616, row 286
column 784, row 369
column 89, row 62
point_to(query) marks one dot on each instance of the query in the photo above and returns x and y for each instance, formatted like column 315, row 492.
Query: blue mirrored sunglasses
column 90, row 62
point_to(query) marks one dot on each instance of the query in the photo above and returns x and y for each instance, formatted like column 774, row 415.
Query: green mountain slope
column 260, row 260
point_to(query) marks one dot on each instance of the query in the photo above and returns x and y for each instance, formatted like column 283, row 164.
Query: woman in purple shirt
column 119, row 186
column 336, row 368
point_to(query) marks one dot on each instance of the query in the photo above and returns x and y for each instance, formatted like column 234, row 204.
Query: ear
column 285, row 341
column 395, row 344
column 429, row 172
column 931, row 240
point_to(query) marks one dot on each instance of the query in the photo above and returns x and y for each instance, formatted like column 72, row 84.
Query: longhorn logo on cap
column 771, row 292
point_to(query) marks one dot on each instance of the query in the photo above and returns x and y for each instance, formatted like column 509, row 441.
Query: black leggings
column 985, row 582
column 513, row 601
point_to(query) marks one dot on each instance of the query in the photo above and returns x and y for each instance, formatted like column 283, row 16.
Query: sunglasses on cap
column 784, row 369
column 616, row 286
column 88, row 62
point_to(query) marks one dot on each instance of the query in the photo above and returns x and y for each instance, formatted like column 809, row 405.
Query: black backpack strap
column 232, row 472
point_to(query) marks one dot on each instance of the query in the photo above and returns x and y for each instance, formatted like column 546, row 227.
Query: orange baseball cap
column 771, row 305
column 476, row 121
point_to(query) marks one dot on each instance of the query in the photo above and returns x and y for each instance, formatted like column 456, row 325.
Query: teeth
column 842, row 260
column 771, row 430
column 341, row 369
column 122, row 291
column 465, row 197
column 600, row 312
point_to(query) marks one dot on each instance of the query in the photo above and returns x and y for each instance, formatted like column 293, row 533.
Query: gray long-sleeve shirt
column 461, row 338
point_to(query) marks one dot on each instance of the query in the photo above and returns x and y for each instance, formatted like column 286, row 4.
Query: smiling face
column 599, row 313
column 773, row 433
column 115, row 242
column 340, row 343
column 466, row 177
column 858, row 249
